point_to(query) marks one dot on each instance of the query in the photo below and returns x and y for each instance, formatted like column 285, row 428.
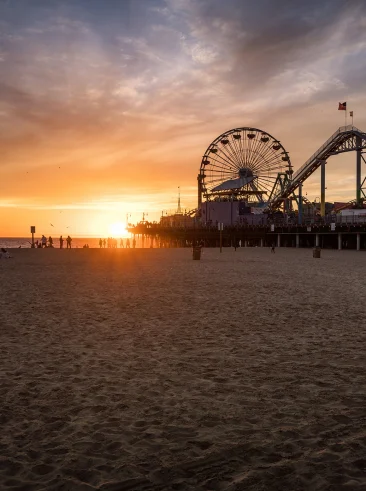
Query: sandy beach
column 144, row 370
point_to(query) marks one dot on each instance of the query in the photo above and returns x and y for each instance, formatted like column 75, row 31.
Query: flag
column 351, row 114
column 342, row 106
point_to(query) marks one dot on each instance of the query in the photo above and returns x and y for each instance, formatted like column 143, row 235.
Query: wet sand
column 144, row 370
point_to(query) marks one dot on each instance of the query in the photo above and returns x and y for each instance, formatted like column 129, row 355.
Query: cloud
column 130, row 94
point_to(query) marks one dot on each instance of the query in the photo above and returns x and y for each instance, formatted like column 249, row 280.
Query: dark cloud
column 89, row 82
column 261, row 39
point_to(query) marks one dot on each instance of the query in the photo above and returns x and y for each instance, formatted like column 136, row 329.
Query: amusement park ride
column 250, row 165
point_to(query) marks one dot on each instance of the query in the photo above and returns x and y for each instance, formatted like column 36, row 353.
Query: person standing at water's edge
column 61, row 242
column 68, row 242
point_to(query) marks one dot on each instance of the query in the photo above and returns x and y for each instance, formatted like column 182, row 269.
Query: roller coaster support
column 322, row 188
column 199, row 201
column 358, row 171
column 300, row 204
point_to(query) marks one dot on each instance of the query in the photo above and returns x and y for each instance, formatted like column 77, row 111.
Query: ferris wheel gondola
column 243, row 162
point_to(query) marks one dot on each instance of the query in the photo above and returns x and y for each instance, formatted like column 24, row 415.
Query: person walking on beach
column 134, row 242
column 128, row 244
column 44, row 241
column 273, row 248
column 61, row 242
column 68, row 242
column 100, row 243
column 50, row 241
column 104, row 243
column 121, row 244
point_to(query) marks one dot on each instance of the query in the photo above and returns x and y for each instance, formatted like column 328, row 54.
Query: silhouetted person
column 68, row 242
column 61, row 242
column 128, row 244
column 100, row 243
column 273, row 247
column 50, row 241
column 134, row 243
column 44, row 241
column 121, row 243
column 104, row 243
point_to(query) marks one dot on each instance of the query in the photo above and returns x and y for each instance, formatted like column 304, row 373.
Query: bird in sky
column 51, row 225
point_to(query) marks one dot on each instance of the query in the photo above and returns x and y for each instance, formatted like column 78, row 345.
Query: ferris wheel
column 243, row 162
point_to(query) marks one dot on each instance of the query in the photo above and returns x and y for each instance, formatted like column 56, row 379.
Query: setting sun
column 118, row 229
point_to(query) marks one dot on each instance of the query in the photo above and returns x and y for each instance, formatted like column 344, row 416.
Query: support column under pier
column 199, row 200
column 322, row 188
column 297, row 240
column 278, row 240
column 300, row 204
column 339, row 241
column 358, row 242
column 261, row 242
column 316, row 240
column 358, row 171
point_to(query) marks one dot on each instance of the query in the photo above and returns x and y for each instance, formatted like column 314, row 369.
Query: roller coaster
column 250, row 164
column 345, row 139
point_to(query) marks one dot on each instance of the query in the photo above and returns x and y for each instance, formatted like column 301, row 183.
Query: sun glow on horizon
column 118, row 229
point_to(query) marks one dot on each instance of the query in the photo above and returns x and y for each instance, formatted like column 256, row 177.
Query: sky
column 107, row 106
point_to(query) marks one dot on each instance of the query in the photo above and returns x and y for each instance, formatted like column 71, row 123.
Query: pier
column 342, row 237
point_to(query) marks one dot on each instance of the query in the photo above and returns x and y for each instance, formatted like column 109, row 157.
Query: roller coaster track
column 345, row 139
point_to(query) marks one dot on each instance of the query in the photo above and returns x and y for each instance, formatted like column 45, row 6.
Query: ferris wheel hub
column 245, row 172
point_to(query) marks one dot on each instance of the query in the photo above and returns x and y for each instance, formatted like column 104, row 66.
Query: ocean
column 25, row 242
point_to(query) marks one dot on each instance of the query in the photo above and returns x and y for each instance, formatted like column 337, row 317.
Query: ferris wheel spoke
column 256, row 151
column 267, row 160
column 220, row 169
column 265, row 185
column 263, row 154
column 238, row 151
column 273, row 166
column 223, row 177
column 229, row 154
column 235, row 152
column 214, row 182
column 222, row 162
column 226, row 157
column 227, row 150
